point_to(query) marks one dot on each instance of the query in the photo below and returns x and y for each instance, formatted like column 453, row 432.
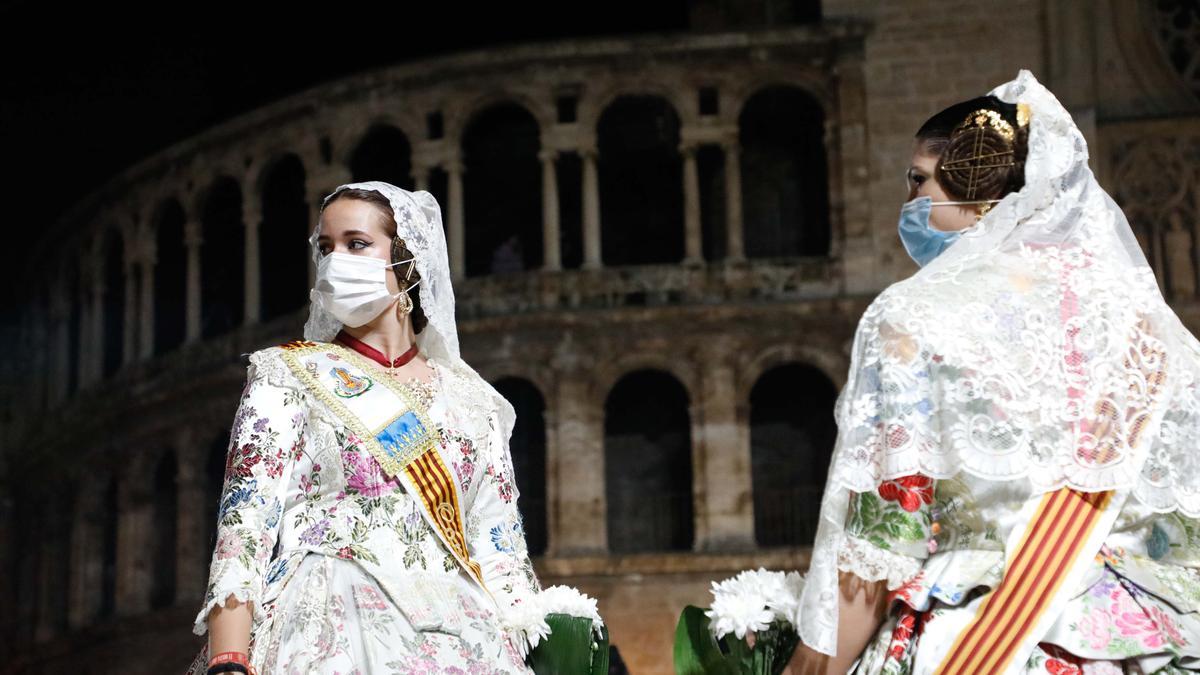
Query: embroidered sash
column 395, row 429
column 1043, row 571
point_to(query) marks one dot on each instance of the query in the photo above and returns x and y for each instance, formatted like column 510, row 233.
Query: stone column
column 591, row 210
column 735, row 247
column 149, row 260
column 725, row 518
column 46, row 550
column 420, row 175
column 457, row 227
column 577, row 514
column 692, row 247
column 95, row 327
column 251, row 219
column 193, row 239
column 87, row 556
column 551, row 251
column 191, row 556
column 135, row 513
column 130, row 325
column 60, row 308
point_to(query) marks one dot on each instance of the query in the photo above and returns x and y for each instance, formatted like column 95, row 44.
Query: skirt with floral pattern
column 331, row 617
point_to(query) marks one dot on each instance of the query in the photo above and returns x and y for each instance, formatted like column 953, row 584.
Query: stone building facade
column 661, row 247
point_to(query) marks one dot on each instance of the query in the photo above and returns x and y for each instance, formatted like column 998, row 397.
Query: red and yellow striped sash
column 1057, row 535
column 434, row 483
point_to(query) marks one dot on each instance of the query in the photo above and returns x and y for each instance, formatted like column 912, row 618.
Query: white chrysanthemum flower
column 526, row 618
column 786, row 605
column 739, row 614
column 569, row 601
column 753, row 599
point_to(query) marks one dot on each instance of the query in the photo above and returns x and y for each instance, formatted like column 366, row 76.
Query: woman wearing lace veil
column 1015, row 483
column 368, row 522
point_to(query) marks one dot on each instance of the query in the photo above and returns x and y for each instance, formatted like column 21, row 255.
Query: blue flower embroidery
column 505, row 538
column 236, row 496
column 277, row 571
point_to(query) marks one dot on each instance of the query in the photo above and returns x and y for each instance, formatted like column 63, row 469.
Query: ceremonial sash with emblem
column 395, row 428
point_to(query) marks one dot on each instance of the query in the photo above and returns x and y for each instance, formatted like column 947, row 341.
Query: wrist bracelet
column 227, row 667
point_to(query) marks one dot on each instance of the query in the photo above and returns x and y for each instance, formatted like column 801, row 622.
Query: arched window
column 785, row 184
column 170, row 278
column 113, row 305
column 108, row 518
column 222, row 259
column 791, row 440
column 166, row 490
column 641, row 182
column 385, row 154
column 528, row 448
column 283, row 239
column 648, row 464
column 502, row 191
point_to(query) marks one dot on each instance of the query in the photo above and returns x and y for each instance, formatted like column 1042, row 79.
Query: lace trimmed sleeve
column 266, row 438
column 888, row 531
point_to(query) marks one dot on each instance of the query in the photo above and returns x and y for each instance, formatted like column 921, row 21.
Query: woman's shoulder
column 271, row 360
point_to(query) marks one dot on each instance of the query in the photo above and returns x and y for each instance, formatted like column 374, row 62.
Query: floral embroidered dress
column 343, row 569
column 941, row 546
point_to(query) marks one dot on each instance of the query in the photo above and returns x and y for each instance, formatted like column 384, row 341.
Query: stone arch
column 785, row 173
column 222, row 257
column 502, row 190
column 168, row 225
column 283, row 235
column 164, row 525
column 792, row 433
column 648, row 464
column 113, row 256
column 383, row 152
column 472, row 108
column 641, row 181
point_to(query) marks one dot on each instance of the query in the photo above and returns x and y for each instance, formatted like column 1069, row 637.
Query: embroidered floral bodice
column 298, row 477
column 937, row 541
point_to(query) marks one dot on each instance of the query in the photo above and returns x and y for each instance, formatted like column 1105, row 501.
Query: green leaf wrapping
column 570, row 648
column 696, row 652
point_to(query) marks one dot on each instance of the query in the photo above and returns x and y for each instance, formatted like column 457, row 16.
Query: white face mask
column 353, row 288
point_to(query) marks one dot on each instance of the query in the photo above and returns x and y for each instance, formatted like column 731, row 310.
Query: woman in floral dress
column 368, row 521
column 1015, row 486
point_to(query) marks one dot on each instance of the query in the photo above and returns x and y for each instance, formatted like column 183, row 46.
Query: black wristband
column 227, row 668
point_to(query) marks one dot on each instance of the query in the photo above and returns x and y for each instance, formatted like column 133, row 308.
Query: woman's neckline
column 433, row 381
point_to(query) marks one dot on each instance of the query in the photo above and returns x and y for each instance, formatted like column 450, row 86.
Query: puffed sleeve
column 499, row 542
column 266, row 438
column 888, row 531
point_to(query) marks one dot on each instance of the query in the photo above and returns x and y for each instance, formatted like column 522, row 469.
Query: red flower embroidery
column 910, row 491
column 1059, row 661
column 344, row 552
column 1057, row 667
column 901, row 635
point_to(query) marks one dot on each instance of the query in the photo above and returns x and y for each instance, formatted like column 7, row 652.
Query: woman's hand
column 861, row 608
column 229, row 628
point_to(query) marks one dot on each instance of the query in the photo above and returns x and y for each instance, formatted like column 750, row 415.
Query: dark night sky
column 91, row 89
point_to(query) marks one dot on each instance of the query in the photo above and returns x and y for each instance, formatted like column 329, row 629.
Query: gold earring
column 983, row 211
column 404, row 306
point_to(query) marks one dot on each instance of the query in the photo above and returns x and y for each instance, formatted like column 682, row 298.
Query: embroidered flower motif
column 314, row 533
column 229, row 546
column 901, row 635
column 365, row 476
column 909, row 491
column 345, row 553
column 505, row 538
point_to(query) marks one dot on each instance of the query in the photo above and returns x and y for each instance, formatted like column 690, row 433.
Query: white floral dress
column 360, row 583
column 940, row 544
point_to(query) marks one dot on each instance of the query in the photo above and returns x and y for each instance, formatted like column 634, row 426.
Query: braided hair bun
column 981, row 144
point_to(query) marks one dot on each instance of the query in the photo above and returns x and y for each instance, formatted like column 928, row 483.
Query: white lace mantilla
column 1037, row 347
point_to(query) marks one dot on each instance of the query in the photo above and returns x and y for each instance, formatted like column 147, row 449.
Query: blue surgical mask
column 922, row 241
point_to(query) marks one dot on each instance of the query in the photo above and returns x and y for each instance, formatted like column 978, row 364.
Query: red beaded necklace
column 374, row 354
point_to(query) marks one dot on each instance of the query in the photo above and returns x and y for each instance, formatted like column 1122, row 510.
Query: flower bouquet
column 564, row 632
column 764, row 603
